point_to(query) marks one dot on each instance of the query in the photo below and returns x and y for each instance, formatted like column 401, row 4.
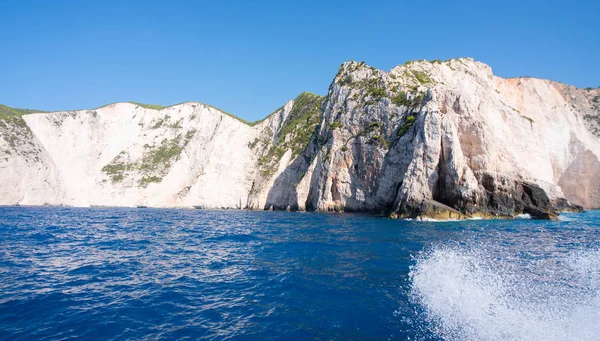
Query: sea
column 176, row 274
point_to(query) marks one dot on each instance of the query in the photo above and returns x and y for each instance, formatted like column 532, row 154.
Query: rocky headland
column 439, row 139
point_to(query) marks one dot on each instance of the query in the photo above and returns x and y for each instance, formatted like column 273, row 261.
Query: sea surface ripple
column 139, row 274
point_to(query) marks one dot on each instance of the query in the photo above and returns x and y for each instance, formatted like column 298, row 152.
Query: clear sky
column 250, row 57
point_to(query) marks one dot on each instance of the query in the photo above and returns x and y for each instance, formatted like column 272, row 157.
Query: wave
column 487, row 292
column 433, row 220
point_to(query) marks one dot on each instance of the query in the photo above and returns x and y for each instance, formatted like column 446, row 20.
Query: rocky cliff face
column 430, row 139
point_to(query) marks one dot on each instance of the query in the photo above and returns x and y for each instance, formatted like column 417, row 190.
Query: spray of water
column 487, row 292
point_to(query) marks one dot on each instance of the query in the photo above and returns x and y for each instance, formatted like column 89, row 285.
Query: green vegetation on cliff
column 6, row 111
column 296, row 132
column 402, row 90
column 410, row 120
column 405, row 99
column 15, row 130
column 155, row 162
column 162, row 155
column 594, row 123
column 422, row 77
column 149, row 106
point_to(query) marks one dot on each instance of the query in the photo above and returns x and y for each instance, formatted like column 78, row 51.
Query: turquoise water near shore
column 140, row 274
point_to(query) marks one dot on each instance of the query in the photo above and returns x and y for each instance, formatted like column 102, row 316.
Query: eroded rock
column 440, row 140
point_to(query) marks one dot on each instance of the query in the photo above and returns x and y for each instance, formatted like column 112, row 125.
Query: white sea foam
column 430, row 220
column 433, row 220
column 523, row 216
column 484, row 293
column 562, row 217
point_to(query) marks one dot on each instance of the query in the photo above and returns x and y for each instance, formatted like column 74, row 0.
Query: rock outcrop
column 444, row 140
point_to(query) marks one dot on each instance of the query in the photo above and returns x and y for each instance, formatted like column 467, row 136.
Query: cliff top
column 412, row 74
column 6, row 111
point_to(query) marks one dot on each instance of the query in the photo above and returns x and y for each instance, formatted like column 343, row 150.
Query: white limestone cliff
column 445, row 139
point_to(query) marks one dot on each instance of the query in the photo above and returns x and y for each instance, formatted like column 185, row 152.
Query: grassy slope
column 6, row 111
column 296, row 131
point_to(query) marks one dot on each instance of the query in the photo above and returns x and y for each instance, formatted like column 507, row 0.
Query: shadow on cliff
column 581, row 180
column 283, row 194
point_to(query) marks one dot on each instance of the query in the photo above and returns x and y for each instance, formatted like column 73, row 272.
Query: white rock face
column 198, row 155
column 427, row 136
column 475, row 137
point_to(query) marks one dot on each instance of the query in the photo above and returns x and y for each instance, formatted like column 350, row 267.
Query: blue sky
column 250, row 57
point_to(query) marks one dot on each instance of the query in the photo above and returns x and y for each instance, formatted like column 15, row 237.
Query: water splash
column 490, row 292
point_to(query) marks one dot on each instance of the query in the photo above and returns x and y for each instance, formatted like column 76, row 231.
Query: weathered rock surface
column 444, row 140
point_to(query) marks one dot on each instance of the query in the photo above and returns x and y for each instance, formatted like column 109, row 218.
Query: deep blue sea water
column 144, row 274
